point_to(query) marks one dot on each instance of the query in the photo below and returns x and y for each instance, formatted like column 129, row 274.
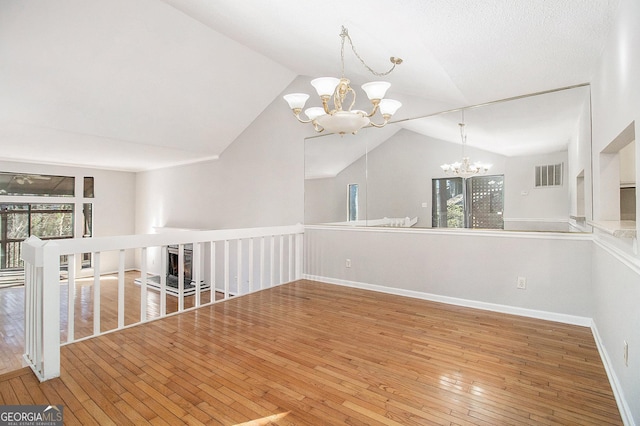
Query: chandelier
column 465, row 169
column 342, row 119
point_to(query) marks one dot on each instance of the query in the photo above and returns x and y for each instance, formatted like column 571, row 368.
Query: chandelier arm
column 318, row 128
column 325, row 104
column 353, row 100
column 376, row 105
column 384, row 123
column 296, row 112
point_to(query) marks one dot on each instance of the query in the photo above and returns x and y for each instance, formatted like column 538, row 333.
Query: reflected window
column 477, row 202
column 88, row 187
column 352, row 203
column 487, row 202
column 448, row 203
column 87, row 231
column 36, row 185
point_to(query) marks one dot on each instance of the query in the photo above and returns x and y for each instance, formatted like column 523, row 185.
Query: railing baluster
column 290, row 264
column 96, row 293
column 261, row 263
column 239, row 267
column 281, row 259
column 272, row 249
column 180, row 277
column 212, row 270
column 250, row 265
column 163, row 280
column 299, row 255
column 28, row 308
column 121, row 258
column 143, row 284
column 71, row 297
column 196, row 268
column 226, row 269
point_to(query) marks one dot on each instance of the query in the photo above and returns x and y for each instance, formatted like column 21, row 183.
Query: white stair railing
column 42, row 307
column 250, row 267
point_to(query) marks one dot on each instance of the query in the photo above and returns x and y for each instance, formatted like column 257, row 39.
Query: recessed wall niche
column 618, row 178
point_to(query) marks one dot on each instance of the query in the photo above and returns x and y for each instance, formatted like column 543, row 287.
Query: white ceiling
column 147, row 84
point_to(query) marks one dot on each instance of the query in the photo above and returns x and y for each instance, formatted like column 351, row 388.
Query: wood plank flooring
column 12, row 312
column 308, row 353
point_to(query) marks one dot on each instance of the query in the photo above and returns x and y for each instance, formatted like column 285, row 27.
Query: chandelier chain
column 345, row 35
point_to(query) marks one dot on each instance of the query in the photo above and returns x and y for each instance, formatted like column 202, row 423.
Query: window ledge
column 617, row 228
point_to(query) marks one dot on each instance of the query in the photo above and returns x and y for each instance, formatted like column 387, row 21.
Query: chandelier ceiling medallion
column 342, row 119
column 465, row 169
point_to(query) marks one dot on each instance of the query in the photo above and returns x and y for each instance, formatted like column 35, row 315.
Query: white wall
column 527, row 207
column 258, row 181
column 579, row 159
column 467, row 265
column 113, row 204
column 616, row 262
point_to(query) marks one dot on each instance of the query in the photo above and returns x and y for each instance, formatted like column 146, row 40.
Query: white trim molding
column 493, row 307
column 457, row 232
column 623, row 407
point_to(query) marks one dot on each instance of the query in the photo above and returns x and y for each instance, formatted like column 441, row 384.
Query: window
column 35, row 184
column 549, row 175
column 88, row 187
column 448, row 203
column 19, row 221
column 87, row 232
column 477, row 202
column 352, row 202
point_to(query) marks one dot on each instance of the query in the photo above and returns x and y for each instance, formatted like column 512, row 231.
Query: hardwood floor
column 12, row 312
column 309, row 353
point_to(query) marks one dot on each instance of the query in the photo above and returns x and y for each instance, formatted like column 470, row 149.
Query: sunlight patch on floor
column 264, row 420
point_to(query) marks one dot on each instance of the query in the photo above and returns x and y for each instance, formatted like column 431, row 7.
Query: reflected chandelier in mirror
column 396, row 167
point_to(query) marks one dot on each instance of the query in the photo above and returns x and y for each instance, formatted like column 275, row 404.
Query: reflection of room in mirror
column 395, row 169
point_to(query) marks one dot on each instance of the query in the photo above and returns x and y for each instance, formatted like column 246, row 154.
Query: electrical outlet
column 626, row 353
column 522, row 283
column 347, row 263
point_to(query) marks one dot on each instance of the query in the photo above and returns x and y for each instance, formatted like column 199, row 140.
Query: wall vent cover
column 549, row 175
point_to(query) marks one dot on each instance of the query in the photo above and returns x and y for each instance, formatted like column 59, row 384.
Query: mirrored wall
column 538, row 146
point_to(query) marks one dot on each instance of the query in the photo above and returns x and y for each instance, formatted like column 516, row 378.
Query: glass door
column 476, row 202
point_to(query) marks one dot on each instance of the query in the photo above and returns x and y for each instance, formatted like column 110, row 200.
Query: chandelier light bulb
column 296, row 100
column 313, row 112
column 389, row 106
column 376, row 89
column 325, row 86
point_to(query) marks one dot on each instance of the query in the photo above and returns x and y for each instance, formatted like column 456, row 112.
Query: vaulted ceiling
column 136, row 85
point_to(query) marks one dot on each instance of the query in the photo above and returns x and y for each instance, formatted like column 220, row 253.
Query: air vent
column 549, row 175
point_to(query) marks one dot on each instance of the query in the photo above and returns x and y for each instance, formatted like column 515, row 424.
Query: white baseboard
column 505, row 309
column 618, row 394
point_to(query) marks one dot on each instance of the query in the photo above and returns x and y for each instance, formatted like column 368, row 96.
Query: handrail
column 227, row 253
column 124, row 242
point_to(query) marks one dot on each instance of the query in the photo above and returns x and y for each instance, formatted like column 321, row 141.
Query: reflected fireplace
column 153, row 281
column 173, row 265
